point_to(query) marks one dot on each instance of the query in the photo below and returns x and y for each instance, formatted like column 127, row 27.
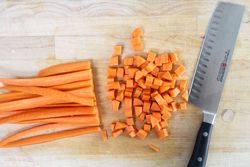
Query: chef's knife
column 211, row 72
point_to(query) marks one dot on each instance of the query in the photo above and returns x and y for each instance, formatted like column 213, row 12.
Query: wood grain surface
column 38, row 34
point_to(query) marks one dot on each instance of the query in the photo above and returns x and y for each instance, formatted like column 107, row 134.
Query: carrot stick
column 16, row 95
column 7, row 114
column 37, row 129
column 50, row 80
column 47, row 92
column 42, row 113
column 40, row 101
column 61, row 105
column 53, row 136
column 74, row 85
column 87, row 120
column 64, row 68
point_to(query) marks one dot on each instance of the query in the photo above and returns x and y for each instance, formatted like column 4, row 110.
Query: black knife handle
column 199, row 156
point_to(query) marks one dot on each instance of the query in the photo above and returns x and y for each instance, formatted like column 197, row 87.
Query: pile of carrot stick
column 60, row 96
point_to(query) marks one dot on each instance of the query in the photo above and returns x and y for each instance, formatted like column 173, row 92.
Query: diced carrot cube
column 154, row 94
column 173, row 81
column 147, row 91
column 174, row 92
column 164, row 58
column 128, row 61
column 128, row 102
column 132, row 71
column 165, row 109
column 129, row 128
column 157, row 127
column 135, row 60
column 183, row 84
column 118, row 50
column 144, row 64
column 150, row 67
column 133, row 133
column 138, row 111
column 112, row 127
column 128, row 94
column 122, row 87
column 166, row 116
column 173, row 57
column 120, row 125
column 142, row 134
column 155, row 72
column 114, row 61
column 180, row 70
column 166, row 83
column 163, row 89
column 117, row 133
column 154, row 148
column 112, row 72
column 167, row 97
column 154, row 121
column 164, row 124
column 158, row 61
column 160, row 74
column 146, row 106
column 159, row 99
column 126, row 69
column 149, row 80
column 145, row 97
column 157, row 115
column 111, row 94
column 162, row 133
column 142, row 117
column 167, row 76
column 137, row 92
column 157, row 81
column 138, row 47
column 110, row 80
column 166, row 66
column 130, row 121
column 147, row 127
column 129, row 83
column 138, row 75
column 140, row 61
column 144, row 71
column 135, row 40
column 120, row 72
column 151, row 57
column 116, row 85
column 183, row 105
column 185, row 95
column 120, row 96
column 110, row 86
column 128, row 112
column 130, row 89
column 148, row 118
column 155, row 87
column 137, row 32
column 174, row 105
column 137, row 102
column 141, row 83
column 155, row 106
column 126, row 77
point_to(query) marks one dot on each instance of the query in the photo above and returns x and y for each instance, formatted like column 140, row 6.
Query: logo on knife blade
column 223, row 67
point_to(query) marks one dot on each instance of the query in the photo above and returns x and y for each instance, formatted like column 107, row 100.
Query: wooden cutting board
column 36, row 35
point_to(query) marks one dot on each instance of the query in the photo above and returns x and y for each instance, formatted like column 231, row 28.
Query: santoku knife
column 211, row 72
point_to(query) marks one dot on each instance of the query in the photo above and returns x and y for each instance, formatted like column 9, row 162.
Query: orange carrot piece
column 128, row 102
column 185, row 95
column 135, row 40
column 167, row 76
column 142, row 117
column 120, row 72
column 173, row 57
column 163, row 89
column 164, row 124
column 65, row 68
column 160, row 74
column 112, row 127
column 126, row 77
column 173, row 81
column 154, row 148
column 158, row 61
column 115, row 105
column 162, row 133
column 117, row 133
column 126, row 69
column 111, row 94
column 133, row 133
column 155, row 106
column 50, row 80
column 164, row 58
column 122, row 87
column 157, row 81
column 129, row 129
column 53, row 136
column 120, row 125
column 128, row 61
column 174, row 92
column 110, row 86
column 138, row 47
column 129, row 89
column 135, row 84
column 146, row 106
column 137, row 32
column 144, row 71
column 144, row 64
column 118, row 50
column 157, row 115
column 135, row 60
column 104, row 135
column 116, row 85
column 174, row 105
column 167, row 97
column 138, row 111
column 10, row 96
column 130, row 121
column 159, row 99
column 151, row 57
column 153, row 121
column 120, row 96
column 165, row 109
column 148, row 118
column 145, row 97
column 147, row 127
column 150, row 67
column 137, row 102
column 155, row 71
column 132, row 71
column 128, row 112
column 166, row 67
column 154, row 94
column 183, row 105
column 114, row 61
column 142, row 134
column 128, row 94
column 147, row 91
column 166, row 83
column 129, row 83
column 141, row 83
column 140, row 61
column 112, row 72
column 75, row 85
column 138, row 75
column 137, row 92
column 110, row 80
column 183, row 84
column 149, row 80
column 155, row 87
column 166, row 116
column 157, row 127
column 180, row 70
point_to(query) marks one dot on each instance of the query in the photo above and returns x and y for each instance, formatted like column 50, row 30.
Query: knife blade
column 211, row 72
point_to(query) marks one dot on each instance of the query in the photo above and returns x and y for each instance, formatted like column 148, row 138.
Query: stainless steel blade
column 215, row 57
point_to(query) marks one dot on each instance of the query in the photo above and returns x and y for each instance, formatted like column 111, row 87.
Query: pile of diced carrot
column 61, row 96
column 148, row 87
